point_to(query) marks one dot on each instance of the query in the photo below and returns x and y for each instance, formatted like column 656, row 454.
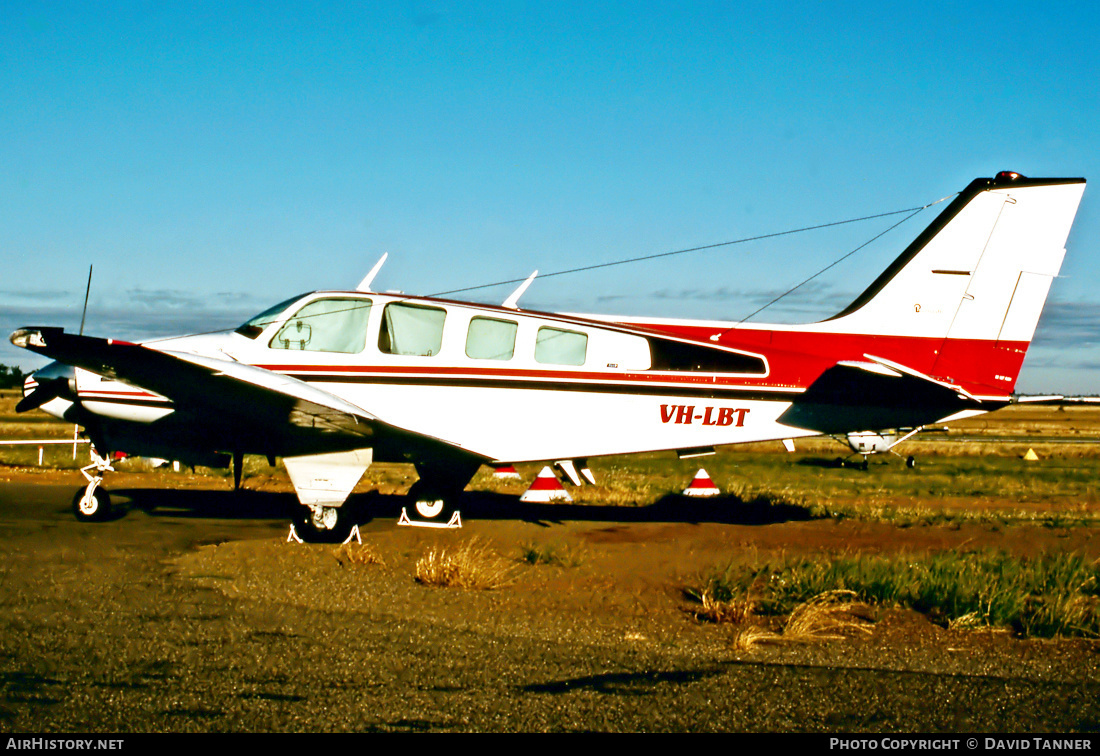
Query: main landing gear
column 433, row 504
column 434, row 497
column 93, row 503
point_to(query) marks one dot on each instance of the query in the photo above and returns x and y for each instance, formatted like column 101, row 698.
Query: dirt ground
column 191, row 611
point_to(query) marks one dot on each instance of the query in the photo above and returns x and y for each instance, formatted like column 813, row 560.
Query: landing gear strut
column 93, row 504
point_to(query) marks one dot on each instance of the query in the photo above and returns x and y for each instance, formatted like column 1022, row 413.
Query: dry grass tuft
column 750, row 636
column 557, row 555
column 357, row 553
column 472, row 565
column 970, row 621
column 735, row 612
column 828, row 616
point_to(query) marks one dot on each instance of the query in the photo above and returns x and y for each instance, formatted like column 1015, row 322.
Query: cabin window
column 411, row 329
column 326, row 325
column 679, row 355
column 491, row 339
column 554, row 346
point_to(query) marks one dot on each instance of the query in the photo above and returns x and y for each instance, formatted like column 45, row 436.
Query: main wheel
column 430, row 502
column 92, row 505
column 324, row 525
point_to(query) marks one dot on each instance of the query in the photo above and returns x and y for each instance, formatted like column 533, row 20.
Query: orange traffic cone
column 546, row 488
column 701, row 485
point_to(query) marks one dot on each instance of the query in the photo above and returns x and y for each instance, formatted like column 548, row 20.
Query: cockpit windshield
column 254, row 326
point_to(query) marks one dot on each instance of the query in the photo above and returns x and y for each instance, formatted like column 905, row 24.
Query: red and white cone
column 505, row 472
column 701, row 485
column 546, row 488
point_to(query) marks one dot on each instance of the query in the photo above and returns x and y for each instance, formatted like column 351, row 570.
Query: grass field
column 1044, row 595
column 973, row 472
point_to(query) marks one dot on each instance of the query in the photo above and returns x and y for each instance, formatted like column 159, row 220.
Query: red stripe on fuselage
column 672, row 379
column 797, row 358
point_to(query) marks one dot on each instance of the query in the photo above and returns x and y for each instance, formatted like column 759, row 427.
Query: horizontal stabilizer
column 873, row 395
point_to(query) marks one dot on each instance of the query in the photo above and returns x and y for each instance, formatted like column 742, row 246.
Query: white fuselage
column 517, row 404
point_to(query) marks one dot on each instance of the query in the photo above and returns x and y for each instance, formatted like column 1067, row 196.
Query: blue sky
column 211, row 159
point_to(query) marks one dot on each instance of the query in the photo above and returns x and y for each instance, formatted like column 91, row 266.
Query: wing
column 257, row 406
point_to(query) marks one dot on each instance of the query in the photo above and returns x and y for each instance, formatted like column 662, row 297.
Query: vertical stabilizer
column 976, row 279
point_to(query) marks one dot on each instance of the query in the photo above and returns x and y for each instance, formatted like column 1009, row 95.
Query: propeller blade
column 46, row 390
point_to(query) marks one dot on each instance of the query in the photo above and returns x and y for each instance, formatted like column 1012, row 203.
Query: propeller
column 46, row 390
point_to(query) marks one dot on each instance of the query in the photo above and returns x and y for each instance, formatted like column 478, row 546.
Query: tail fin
column 976, row 279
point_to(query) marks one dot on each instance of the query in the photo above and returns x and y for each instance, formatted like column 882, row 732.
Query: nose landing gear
column 320, row 524
column 93, row 504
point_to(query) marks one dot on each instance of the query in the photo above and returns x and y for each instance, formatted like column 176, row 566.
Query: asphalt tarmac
column 195, row 615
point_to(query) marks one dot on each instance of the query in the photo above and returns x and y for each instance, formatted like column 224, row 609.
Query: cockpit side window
column 326, row 325
column 411, row 329
column 254, row 326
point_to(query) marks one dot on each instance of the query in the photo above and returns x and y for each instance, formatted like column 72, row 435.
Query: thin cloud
column 814, row 299
column 146, row 318
column 1066, row 325
column 38, row 295
column 159, row 298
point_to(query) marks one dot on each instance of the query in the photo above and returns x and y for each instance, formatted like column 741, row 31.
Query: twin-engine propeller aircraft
column 331, row 381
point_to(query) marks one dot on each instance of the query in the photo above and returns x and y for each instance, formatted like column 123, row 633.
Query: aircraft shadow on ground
column 229, row 505
column 831, row 462
column 728, row 509
column 473, row 505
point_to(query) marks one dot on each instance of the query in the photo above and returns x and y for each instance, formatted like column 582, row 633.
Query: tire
column 911, row 462
column 430, row 503
column 334, row 527
column 92, row 507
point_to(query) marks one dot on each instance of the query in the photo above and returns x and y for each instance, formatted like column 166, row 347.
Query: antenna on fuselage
column 364, row 285
column 512, row 302
column 87, row 291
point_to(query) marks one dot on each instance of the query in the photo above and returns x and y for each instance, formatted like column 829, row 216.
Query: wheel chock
column 454, row 522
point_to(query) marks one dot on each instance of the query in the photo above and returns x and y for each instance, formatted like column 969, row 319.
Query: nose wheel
column 320, row 524
column 93, row 503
